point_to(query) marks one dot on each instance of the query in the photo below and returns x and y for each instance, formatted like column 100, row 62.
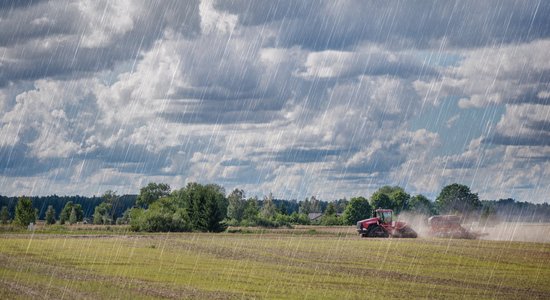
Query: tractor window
column 386, row 217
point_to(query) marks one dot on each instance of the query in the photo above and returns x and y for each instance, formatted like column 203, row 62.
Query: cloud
column 364, row 61
column 526, row 124
column 63, row 38
column 334, row 25
column 384, row 155
column 511, row 74
column 296, row 98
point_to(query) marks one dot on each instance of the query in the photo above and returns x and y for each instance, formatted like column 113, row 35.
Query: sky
column 329, row 99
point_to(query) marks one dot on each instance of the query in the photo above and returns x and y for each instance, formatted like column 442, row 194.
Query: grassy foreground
column 298, row 264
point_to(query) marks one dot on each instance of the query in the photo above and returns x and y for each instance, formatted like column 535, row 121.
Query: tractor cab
column 384, row 215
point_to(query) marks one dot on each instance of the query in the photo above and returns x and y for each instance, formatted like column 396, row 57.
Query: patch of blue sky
column 457, row 127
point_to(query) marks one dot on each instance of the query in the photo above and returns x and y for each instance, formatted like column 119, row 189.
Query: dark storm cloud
column 49, row 39
column 341, row 24
column 540, row 138
column 13, row 4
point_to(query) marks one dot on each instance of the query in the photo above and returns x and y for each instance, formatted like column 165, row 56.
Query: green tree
column 357, row 209
column 305, row 207
column 421, row 205
column 237, row 205
column 112, row 198
column 65, row 214
column 102, row 214
column 341, row 205
column 24, row 212
column 50, row 215
column 400, row 199
column 125, row 219
column 4, row 215
column 330, row 210
column 268, row 210
column 329, row 217
column 397, row 198
column 151, row 193
column 251, row 210
column 72, row 216
column 457, row 198
column 206, row 206
column 163, row 215
column 381, row 200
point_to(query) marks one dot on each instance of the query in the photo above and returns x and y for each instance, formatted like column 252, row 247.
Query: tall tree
column 397, row 198
column 50, row 215
column 111, row 199
column 357, row 209
column 330, row 210
column 268, row 209
column 24, row 212
column 400, row 199
column 421, row 205
column 72, row 216
column 151, row 193
column 251, row 210
column 305, row 207
column 206, row 206
column 457, row 198
column 4, row 215
column 102, row 214
column 329, row 217
column 237, row 205
column 65, row 214
column 381, row 200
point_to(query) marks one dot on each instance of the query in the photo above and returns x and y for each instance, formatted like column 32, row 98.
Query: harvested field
column 301, row 263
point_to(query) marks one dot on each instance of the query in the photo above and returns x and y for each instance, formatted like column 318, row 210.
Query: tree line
column 88, row 204
column 198, row 207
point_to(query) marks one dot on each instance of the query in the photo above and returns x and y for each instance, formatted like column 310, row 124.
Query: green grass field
column 298, row 264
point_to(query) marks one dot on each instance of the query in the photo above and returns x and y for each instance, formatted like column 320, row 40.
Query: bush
column 299, row 219
column 331, row 220
column 159, row 220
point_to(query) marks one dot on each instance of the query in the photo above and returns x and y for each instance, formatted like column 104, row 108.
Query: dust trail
column 418, row 222
column 495, row 231
column 516, row 231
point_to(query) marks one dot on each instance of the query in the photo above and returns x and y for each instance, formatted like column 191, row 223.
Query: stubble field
column 302, row 263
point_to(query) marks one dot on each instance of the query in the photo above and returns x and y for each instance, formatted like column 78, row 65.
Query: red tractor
column 382, row 226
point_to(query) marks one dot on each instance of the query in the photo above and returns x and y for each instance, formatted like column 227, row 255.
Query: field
column 302, row 263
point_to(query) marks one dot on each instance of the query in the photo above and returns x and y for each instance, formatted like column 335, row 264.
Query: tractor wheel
column 377, row 231
column 407, row 232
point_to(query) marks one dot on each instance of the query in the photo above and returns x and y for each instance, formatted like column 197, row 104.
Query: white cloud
column 510, row 74
column 295, row 101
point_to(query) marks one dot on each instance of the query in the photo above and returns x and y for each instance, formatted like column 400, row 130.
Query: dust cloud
column 495, row 231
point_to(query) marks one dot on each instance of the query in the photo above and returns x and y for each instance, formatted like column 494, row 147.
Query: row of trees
column 88, row 204
column 206, row 208
column 25, row 213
